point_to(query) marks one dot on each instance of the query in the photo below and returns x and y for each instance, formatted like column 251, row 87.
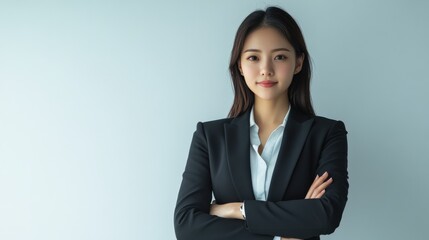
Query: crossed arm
column 320, row 213
column 232, row 210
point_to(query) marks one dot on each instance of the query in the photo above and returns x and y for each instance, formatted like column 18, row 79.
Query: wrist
column 242, row 211
column 237, row 213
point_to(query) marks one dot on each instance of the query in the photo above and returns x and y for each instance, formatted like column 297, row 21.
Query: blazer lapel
column 238, row 155
column 294, row 136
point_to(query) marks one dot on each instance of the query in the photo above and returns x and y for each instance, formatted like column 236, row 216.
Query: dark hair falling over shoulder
column 299, row 90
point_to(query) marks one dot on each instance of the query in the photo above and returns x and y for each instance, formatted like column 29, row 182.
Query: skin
column 267, row 55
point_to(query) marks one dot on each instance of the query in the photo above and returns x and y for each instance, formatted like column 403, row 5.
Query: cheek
column 250, row 71
column 285, row 69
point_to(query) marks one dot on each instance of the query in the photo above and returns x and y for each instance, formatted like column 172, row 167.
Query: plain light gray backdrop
column 99, row 100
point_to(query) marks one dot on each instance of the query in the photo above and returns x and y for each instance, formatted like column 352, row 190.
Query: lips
column 266, row 83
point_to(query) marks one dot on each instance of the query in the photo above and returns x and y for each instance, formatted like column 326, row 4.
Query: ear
column 299, row 63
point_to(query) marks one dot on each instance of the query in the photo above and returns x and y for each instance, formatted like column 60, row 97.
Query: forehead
column 266, row 38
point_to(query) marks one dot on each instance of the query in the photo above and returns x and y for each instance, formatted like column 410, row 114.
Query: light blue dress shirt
column 262, row 166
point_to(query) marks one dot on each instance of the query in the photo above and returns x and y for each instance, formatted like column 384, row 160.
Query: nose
column 267, row 68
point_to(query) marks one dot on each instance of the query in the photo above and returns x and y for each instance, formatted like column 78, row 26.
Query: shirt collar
column 253, row 123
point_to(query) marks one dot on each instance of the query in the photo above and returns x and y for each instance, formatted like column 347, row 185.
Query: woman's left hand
column 317, row 188
column 227, row 210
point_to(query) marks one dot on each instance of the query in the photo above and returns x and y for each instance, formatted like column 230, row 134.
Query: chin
column 272, row 96
column 268, row 98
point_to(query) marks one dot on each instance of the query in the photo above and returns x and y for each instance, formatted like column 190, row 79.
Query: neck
column 270, row 112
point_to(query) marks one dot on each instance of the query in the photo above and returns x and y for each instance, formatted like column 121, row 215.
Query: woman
column 275, row 170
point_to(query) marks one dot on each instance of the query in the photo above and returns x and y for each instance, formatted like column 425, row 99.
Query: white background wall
column 99, row 100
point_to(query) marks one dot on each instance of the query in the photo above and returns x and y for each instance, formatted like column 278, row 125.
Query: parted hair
column 299, row 90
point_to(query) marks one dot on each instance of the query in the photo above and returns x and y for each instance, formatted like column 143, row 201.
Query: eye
column 280, row 57
column 252, row 58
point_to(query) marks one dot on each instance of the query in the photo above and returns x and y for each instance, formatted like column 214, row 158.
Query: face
column 268, row 63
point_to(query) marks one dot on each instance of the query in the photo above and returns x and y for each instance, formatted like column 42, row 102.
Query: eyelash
column 254, row 58
column 282, row 56
column 250, row 58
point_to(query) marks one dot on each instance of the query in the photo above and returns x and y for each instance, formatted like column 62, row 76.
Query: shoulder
column 211, row 127
column 317, row 120
column 216, row 123
column 318, row 125
column 326, row 122
column 328, row 125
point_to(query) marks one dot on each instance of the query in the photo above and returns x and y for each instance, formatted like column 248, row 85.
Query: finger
column 316, row 183
column 322, row 187
column 323, row 177
column 320, row 180
column 310, row 191
column 320, row 194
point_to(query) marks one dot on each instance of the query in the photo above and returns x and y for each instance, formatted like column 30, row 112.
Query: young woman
column 274, row 169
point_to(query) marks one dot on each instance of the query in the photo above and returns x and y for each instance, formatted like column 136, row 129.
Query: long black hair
column 299, row 90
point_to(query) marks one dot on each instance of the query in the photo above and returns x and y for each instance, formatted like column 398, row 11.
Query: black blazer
column 219, row 163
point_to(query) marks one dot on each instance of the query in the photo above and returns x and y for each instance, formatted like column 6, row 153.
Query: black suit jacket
column 219, row 163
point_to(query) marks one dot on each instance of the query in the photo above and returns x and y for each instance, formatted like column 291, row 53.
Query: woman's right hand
column 317, row 189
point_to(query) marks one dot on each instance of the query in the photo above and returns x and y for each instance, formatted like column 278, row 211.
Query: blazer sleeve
column 191, row 216
column 308, row 217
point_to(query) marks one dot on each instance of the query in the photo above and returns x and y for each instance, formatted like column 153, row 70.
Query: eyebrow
column 274, row 50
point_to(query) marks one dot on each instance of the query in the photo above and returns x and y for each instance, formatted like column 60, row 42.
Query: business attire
column 262, row 165
column 219, row 163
